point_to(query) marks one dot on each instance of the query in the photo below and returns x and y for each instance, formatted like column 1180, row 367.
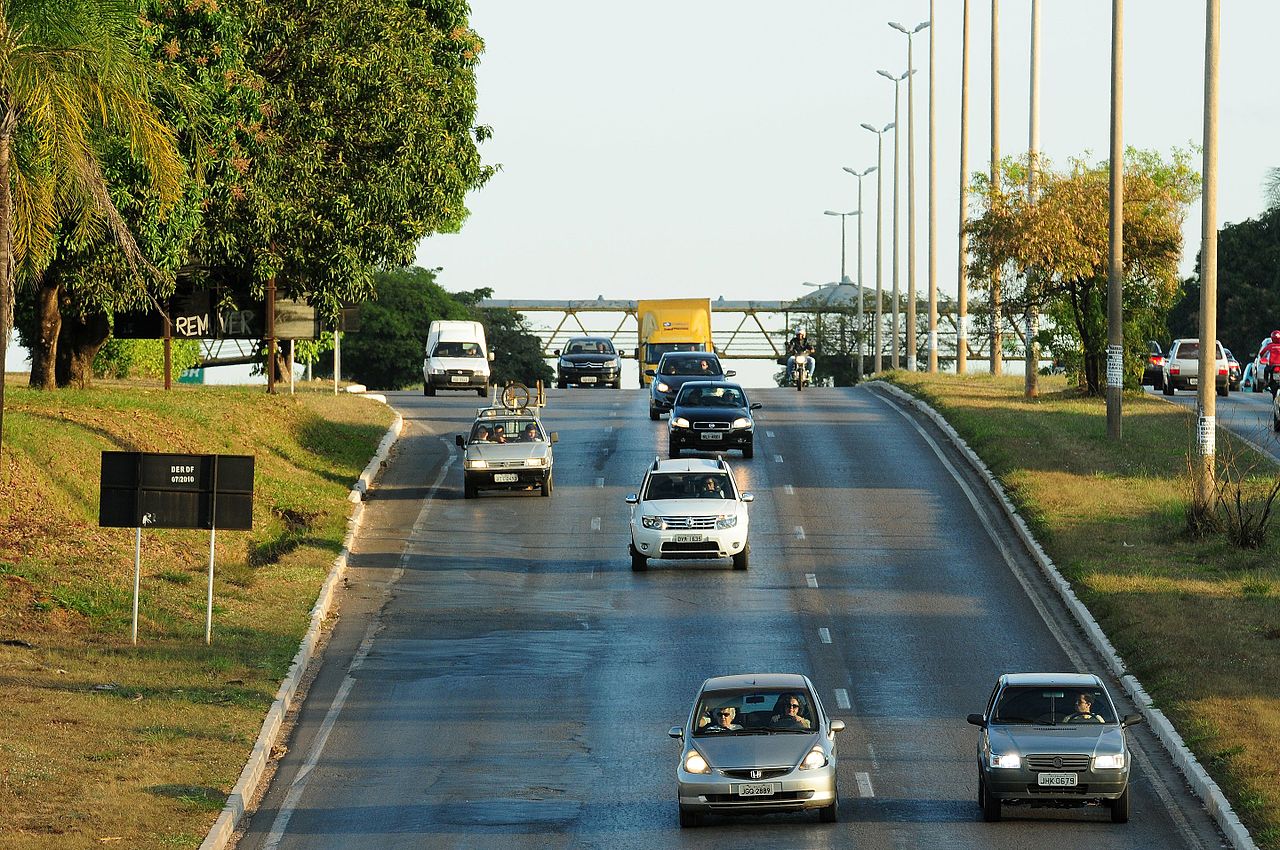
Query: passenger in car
column 787, row 714
column 1084, row 712
column 530, row 434
column 499, row 433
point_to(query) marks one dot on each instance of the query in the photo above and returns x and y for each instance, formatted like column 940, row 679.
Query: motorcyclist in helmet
column 798, row 345
column 1269, row 359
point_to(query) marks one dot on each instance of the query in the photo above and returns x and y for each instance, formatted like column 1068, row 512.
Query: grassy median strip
column 107, row 743
column 1196, row 620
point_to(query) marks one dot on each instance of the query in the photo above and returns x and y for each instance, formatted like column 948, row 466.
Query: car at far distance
column 507, row 449
column 1275, row 414
column 712, row 416
column 689, row 509
column 1234, row 373
column 757, row 743
column 589, row 361
column 1052, row 739
column 1153, row 369
column 674, row 369
column 1182, row 367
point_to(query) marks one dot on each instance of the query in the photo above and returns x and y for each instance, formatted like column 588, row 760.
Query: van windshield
column 457, row 349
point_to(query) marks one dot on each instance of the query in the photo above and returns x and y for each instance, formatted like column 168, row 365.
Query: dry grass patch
column 1196, row 620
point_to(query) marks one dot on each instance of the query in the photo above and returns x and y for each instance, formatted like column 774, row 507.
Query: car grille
column 760, row 773
column 1058, row 762
column 780, row 799
column 704, row 546
column 506, row 464
column 711, row 426
column 465, row 372
column 680, row 522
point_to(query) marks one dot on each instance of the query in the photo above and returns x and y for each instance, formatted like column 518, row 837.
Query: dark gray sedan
column 1052, row 739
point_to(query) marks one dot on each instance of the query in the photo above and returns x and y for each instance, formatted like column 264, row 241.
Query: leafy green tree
column 144, row 358
column 1053, row 253
column 68, row 69
column 517, row 352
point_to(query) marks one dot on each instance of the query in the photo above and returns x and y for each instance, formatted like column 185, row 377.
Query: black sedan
column 712, row 416
column 674, row 370
column 589, row 362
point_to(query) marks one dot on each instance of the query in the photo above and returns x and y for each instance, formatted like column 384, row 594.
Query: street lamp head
column 899, row 27
column 830, row 212
column 887, row 75
column 888, row 127
column 872, row 129
column 906, row 74
column 921, row 26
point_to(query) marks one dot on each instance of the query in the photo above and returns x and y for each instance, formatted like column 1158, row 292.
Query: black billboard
column 155, row 490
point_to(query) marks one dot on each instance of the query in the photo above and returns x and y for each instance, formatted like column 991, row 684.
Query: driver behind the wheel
column 1084, row 710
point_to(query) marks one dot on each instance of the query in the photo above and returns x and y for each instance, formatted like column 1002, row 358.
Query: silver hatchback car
column 755, row 743
column 1052, row 739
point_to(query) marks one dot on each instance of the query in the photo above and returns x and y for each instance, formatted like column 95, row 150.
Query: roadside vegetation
column 108, row 743
column 1196, row 617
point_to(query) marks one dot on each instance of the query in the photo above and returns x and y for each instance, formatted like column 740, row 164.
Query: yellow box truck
column 671, row 324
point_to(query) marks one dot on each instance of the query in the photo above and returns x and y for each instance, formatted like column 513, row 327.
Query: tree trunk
column 79, row 343
column 6, row 255
column 49, row 323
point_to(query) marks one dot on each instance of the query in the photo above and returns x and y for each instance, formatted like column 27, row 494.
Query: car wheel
column 831, row 813
column 547, row 485
column 689, row 818
column 639, row 563
column 560, row 385
column 743, row 559
column 617, row 385
column 1120, row 807
column 654, row 415
column 481, row 391
column 1222, row 390
column 749, row 451
column 1275, row 422
column 673, row 450
column 1157, row 383
column 469, row 490
column 1166, row 388
column 990, row 804
column 427, row 389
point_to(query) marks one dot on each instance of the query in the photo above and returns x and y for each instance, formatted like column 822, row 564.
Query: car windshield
column 514, row 430
column 1054, row 706
column 754, row 712
column 718, row 396
column 679, row 366
column 589, row 346
column 689, row 485
column 457, row 349
column 653, row 351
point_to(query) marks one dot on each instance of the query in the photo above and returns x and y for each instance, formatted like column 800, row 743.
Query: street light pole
column 894, row 360
column 1030, row 388
column 997, row 309
column 879, row 345
column 862, row 325
column 933, row 208
column 962, row 279
column 1206, row 426
column 1115, row 253
column 911, row 193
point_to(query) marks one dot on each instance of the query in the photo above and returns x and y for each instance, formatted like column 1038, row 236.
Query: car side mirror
column 837, row 725
column 748, row 497
column 555, row 436
column 633, row 498
column 755, row 405
column 650, row 372
column 459, row 441
column 1132, row 720
column 490, row 356
column 676, row 732
column 730, row 373
column 977, row 720
column 556, row 352
column 622, row 353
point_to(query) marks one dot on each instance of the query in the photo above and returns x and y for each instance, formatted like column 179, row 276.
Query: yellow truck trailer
column 671, row 324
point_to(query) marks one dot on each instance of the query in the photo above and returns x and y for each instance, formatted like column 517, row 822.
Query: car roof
column 1067, row 680
column 507, row 412
column 692, row 464
column 589, row 339
column 693, row 355
column 756, row 680
column 718, row 383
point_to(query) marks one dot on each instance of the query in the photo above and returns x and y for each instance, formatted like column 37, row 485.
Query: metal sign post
column 137, row 579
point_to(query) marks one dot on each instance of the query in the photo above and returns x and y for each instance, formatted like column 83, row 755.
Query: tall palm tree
column 68, row 70
column 1271, row 187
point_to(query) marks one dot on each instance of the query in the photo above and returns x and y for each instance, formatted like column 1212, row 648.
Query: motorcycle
column 803, row 371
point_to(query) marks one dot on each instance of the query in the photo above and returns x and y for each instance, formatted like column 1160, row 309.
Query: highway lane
column 1247, row 414
column 516, row 679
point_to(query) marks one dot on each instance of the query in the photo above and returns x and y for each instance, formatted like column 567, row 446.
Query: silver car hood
column 505, row 451
column 784, row 749
column 1065, row 740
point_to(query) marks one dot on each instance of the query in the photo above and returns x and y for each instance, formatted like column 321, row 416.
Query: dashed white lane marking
column 864, row 784
column 842, row 698
column 599, row 482
column 824, row 634
column 595, row 523
column 788, row 489
column 777, row 458
column 768, row 433
column 608, row 429
column 811, row 579
column 871, row 751
column 799, row 532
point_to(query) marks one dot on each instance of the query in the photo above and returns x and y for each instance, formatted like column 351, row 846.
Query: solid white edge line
column 1204, row 785
column 842, row 698
column 228, row 819
column 864, row 784
column 824, row 634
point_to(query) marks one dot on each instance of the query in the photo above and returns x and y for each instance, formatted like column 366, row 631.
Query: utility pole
column 1206, row 425
column 933, row 208
column 271, row 334
column 1033, row 162
column 997, row 356
column 1115, row 252
column 962, row 277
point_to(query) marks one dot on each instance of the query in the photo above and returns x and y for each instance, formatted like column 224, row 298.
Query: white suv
column 689, row 509
column 1182, row 367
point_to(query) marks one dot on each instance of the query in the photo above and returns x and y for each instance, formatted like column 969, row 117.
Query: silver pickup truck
column 1182, row 367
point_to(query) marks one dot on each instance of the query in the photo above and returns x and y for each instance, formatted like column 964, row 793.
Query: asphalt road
column 513, row 679
column 1247, row 414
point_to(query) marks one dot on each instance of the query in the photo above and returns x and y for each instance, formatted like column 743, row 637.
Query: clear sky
column 666, row 148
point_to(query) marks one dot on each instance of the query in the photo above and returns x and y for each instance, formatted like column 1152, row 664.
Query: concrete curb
column 1203, row 785
column 260, row 756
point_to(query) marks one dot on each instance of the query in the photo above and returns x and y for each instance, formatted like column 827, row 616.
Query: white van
column 457, row 358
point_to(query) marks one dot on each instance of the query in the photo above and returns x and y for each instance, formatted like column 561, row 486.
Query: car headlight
column 477, row 464
column 1112, row 762
column 535, row 461
column 695, row 763
column 728, row 521
column 565, row 364
column 651, row 521
column 816, row 758
column 679, row 422
column 437, row 371
column 742, row 422
column 663, row 388
column 1009, row 761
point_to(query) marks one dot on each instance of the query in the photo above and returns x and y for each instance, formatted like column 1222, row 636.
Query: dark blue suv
column 674, row 369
